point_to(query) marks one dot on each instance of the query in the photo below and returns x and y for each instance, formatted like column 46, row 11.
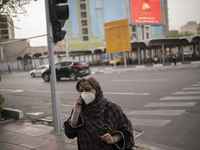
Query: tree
column 13, row 8
column 173, row 33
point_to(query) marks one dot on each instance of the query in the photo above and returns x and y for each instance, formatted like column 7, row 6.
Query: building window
column 85, row 38
column 84, row 22
column 83, row 15
column 82, row 0
column 4, row 31
column 3, row 25
column 84, row 31
column 147, row 35
column 133, row 29
column 83, row 6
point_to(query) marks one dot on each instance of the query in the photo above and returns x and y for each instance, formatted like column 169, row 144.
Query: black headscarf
column 92, row 113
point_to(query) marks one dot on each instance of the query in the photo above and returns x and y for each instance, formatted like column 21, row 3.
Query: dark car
column 68, row 69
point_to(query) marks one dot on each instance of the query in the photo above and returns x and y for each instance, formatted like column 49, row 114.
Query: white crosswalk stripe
column 192, row 88
column 186, row 93
column 180, row 98
column 157, row 112
column 171, row 104
column 150, row 122
column 184, row 99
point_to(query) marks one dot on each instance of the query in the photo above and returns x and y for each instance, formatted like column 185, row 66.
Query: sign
column 117, row 36
column 146, row 11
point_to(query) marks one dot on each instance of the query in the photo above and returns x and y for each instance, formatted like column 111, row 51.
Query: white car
column 38, row 71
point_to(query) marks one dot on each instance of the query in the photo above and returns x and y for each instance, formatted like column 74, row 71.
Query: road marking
column 171, row 104
column 157, row 112
column 195, row 85
column 186, row 93
column 118, row 93
column 12, row 90
column 71, row 92
column 180, row 98
column 192, row 88
column 67, row 105
column 139, row 80
column 196, row 65
column 35, row 113
column 150, row 122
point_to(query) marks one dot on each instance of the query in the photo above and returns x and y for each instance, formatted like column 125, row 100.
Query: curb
column 12, row 113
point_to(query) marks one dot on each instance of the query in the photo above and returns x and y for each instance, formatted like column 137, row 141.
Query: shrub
column 2, row 100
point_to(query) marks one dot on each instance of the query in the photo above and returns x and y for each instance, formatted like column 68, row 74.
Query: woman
column 88, row 120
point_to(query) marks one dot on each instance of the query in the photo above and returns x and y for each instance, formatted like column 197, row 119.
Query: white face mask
column 88, row 97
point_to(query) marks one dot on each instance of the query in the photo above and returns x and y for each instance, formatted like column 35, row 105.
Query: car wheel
column 46, row 77
column 73, row 76
column 58, row 78
column 32, row 75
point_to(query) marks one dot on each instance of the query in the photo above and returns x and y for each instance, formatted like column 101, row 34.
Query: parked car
column 38, row 71
column 188, row 54
column 68, row 69
column 118, row 61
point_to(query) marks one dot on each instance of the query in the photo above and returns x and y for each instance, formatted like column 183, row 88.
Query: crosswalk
column 154, row 114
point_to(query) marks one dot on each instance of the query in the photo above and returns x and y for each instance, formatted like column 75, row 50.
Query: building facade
column 85, row 26
column 191, row 27
column 6, row 28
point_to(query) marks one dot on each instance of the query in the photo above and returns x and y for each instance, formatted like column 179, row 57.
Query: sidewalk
column 21, row 135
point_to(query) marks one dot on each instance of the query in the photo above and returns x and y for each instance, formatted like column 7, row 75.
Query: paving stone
column 38, row 132
column 18, row 148
column 19, row 139
column 70, row 147
column 8, row 135
column 52, row 145
column 5, row 146
column 25, row 130
column 49, row 136
column 12, row 127
column 34, row 143
column 2, row 132
column 63, row 138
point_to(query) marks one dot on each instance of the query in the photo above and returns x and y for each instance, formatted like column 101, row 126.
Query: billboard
column 146, row 11
column 117, row 36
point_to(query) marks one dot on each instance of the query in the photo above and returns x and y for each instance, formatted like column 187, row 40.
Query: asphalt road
column 163, row 103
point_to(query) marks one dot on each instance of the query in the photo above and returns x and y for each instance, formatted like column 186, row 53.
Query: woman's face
column 86, row 87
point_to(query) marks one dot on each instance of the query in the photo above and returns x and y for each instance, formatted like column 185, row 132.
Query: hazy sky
column 180, row 12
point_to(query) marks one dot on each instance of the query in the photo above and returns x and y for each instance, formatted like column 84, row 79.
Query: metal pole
column 114, row 64
column 67, row 47
column 2, row 57
column 125, row 65
column 56, row 109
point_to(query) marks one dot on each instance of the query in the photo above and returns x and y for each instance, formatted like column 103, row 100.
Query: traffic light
column 59, row 13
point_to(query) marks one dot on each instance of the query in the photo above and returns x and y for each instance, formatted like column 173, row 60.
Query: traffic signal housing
column 59, row 13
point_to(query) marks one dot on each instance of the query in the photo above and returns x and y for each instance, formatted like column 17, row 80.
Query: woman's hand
column 78, row 101
column 108, row 138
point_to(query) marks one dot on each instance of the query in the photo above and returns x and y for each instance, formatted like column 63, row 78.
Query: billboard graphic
column 117, row 36
column 146, row 11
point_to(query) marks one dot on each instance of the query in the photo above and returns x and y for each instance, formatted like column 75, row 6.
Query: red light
column 79, row 66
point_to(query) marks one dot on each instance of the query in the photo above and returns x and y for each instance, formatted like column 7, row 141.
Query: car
column 118, row 61
column 188, row 54
column 38, row 71
column 68, row 69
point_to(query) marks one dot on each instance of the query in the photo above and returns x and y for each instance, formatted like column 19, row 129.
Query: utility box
column 117, row 36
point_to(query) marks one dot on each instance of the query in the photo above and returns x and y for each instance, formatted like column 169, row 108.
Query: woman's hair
column 93, row 82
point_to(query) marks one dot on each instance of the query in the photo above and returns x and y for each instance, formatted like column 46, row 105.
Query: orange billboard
column 117, row 36
column 146, row 11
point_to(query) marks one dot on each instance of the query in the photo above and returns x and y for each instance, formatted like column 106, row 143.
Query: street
column 163, row 103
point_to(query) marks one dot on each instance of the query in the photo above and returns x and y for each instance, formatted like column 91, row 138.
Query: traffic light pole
column 56, row 108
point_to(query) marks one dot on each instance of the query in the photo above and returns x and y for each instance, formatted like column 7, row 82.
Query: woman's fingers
column 107, row 138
